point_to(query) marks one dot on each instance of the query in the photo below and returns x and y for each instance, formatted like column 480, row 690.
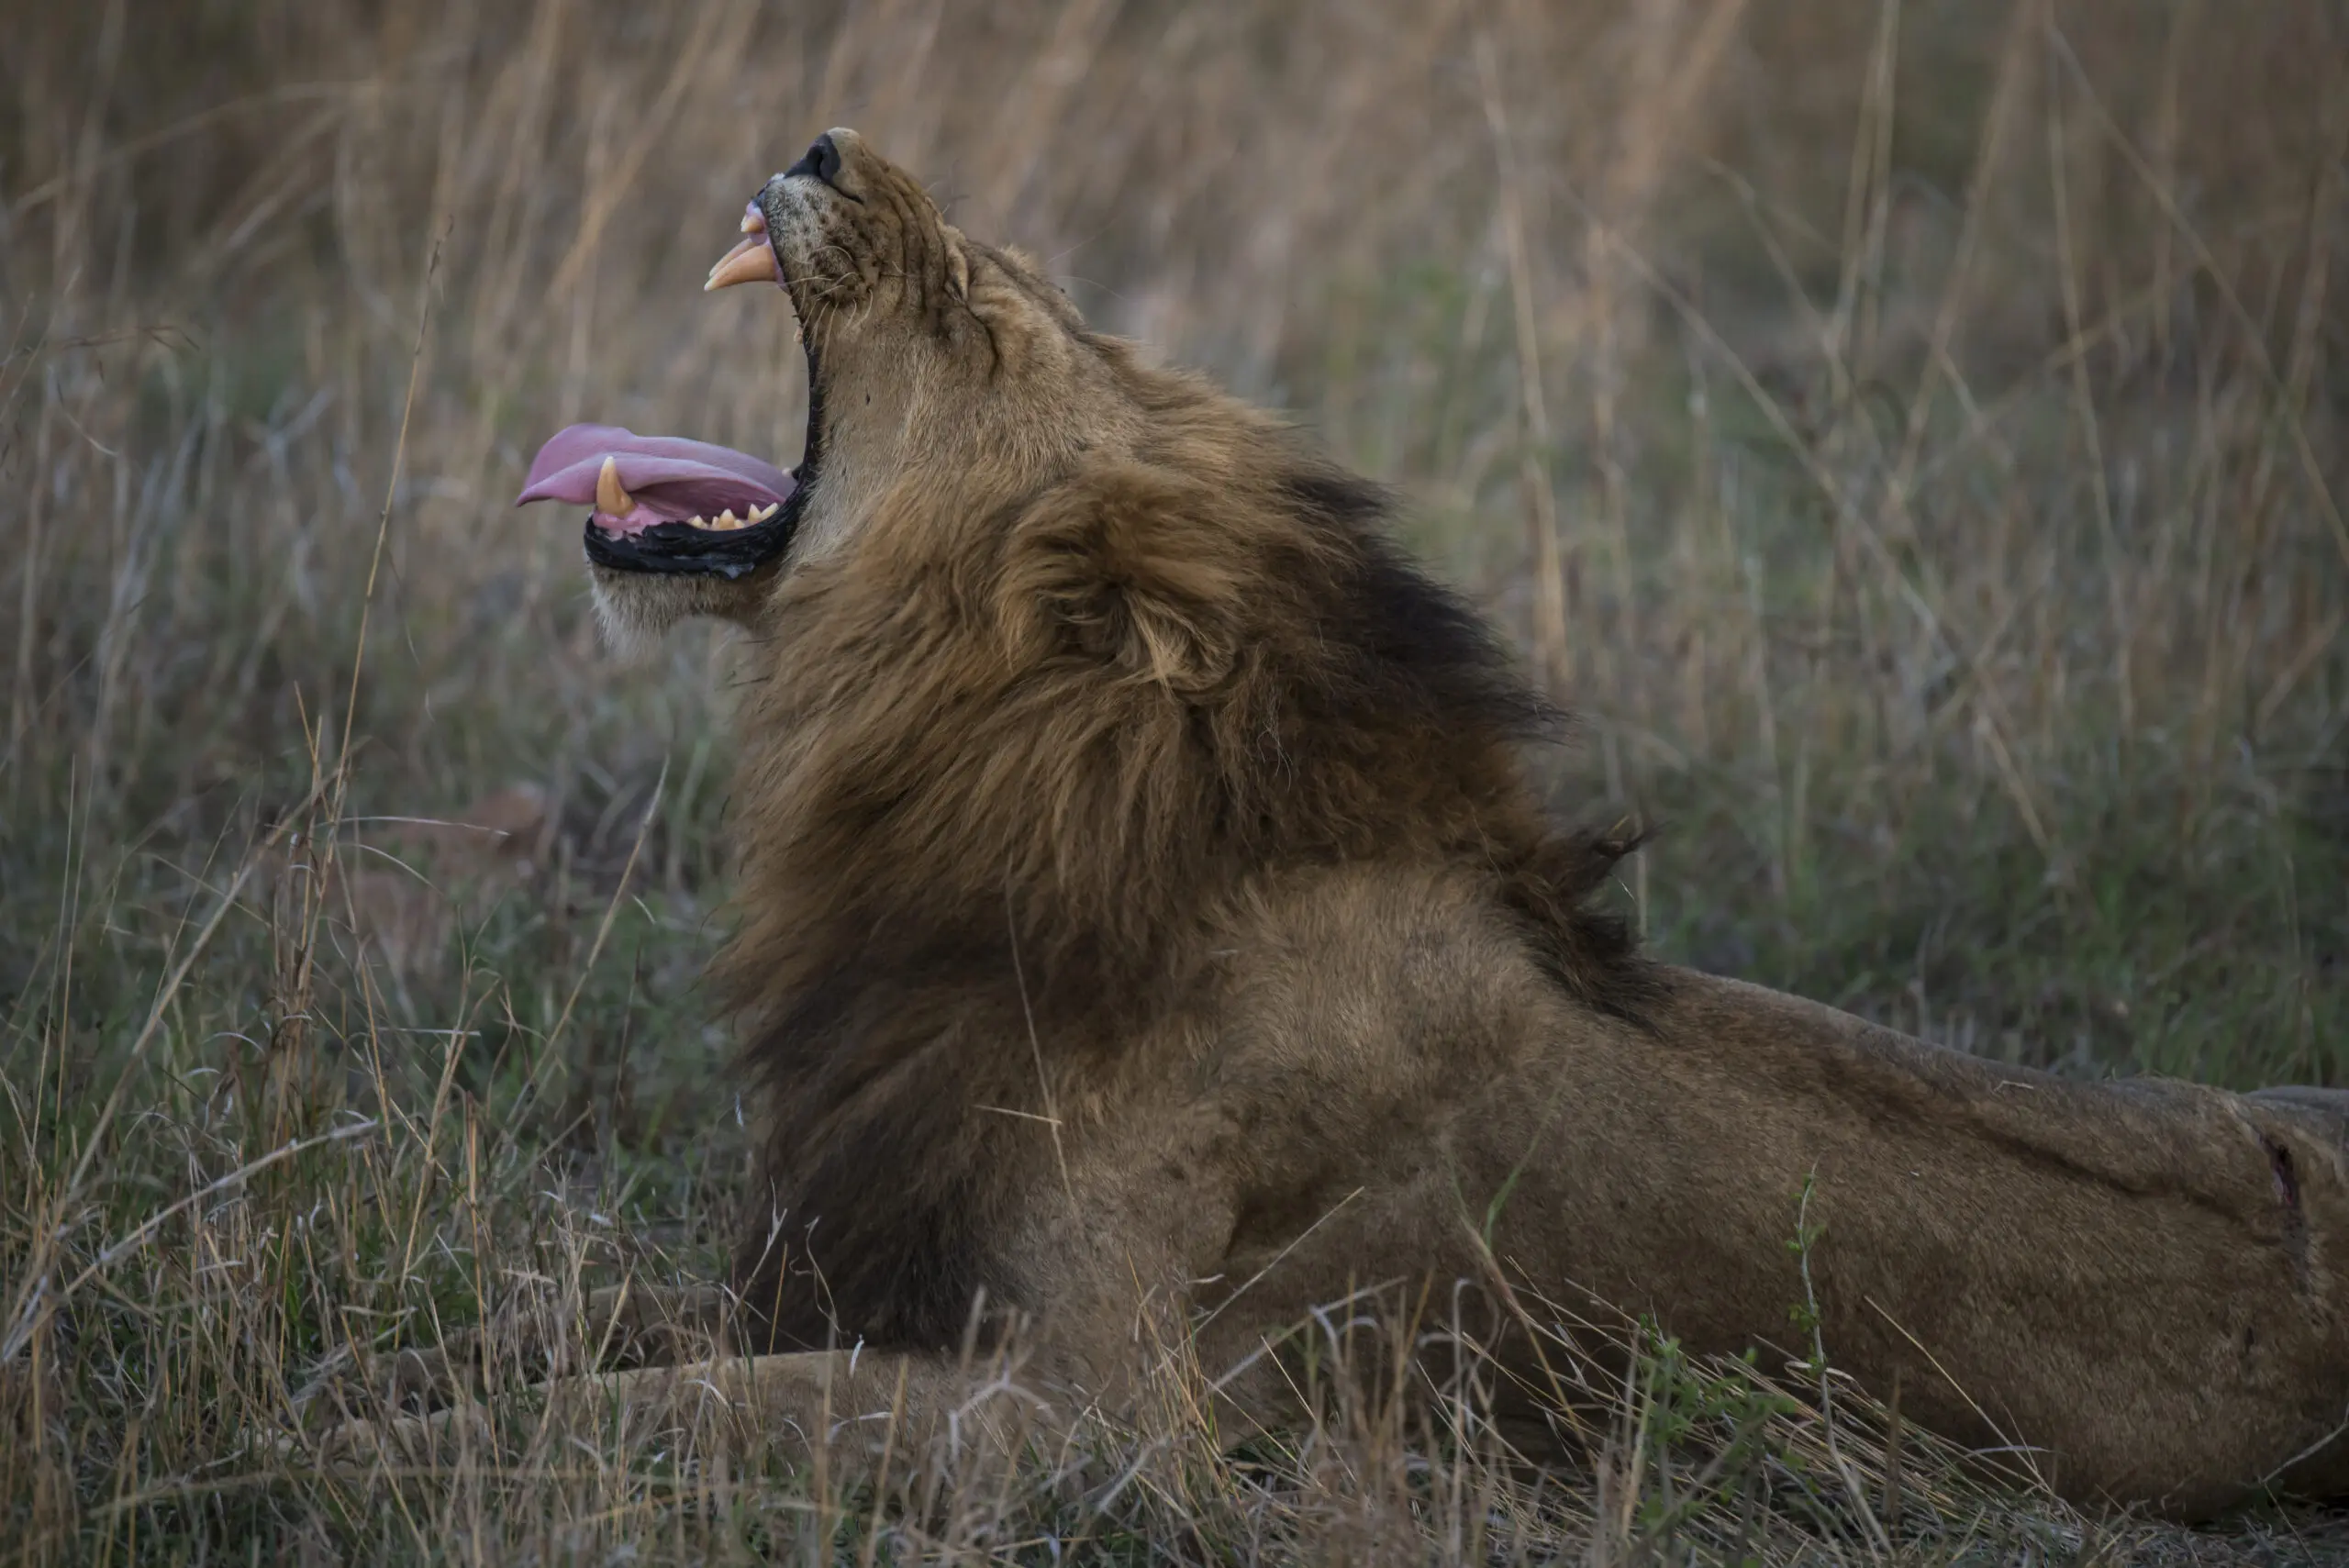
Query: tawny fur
column 1141, row 885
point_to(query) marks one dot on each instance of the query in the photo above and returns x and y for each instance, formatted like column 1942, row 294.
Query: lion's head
column 931, row 359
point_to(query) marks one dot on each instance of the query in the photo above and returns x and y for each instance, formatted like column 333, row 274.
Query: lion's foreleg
column 624, row 1325
column 849, row 1408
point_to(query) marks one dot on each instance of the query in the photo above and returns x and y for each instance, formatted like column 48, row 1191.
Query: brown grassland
column 1912, row 434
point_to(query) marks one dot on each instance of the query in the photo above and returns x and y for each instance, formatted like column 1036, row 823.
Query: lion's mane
column 1007, row 767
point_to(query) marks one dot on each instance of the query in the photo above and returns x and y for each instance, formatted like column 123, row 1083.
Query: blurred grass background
column 1909, row 432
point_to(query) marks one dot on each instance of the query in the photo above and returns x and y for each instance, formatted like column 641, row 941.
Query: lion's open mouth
column 668, row 504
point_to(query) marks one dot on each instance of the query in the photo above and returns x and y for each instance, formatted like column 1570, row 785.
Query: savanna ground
column 1910, row 432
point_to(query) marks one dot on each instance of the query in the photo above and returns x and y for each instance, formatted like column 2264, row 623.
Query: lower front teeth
column 727, row 521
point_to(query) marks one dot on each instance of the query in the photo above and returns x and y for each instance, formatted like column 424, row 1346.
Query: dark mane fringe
column 1016, row 767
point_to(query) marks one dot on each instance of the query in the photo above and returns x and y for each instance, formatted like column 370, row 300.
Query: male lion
column 1144, row 902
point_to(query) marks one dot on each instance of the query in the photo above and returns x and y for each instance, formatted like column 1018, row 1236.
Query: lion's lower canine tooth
column 610, row 499
column 726, row 519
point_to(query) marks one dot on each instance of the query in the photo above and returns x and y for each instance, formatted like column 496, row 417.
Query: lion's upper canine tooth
column 748, row 262
column 752, row 223
column 610, row 499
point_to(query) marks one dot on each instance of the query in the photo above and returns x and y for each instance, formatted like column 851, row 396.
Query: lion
column 1145, row 907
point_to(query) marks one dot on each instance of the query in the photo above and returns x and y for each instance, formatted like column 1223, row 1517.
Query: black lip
column 682, row 549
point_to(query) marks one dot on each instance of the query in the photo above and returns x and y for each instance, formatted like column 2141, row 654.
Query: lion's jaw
column 937, row 367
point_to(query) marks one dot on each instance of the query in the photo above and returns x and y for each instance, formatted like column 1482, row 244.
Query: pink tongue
column 668, row 478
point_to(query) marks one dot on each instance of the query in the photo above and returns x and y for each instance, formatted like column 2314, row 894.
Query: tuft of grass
column 1912, row 433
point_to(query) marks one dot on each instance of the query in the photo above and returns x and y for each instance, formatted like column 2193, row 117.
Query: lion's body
column 1144, row 901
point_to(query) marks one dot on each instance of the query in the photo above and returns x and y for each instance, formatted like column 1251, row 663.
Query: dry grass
column 1912, row 431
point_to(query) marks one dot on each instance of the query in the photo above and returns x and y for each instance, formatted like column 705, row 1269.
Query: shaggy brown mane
column 1016, row 767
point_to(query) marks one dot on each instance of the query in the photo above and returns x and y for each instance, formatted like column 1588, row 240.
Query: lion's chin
column 637, row 609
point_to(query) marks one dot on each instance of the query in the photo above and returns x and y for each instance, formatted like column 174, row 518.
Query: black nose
column 822, row 160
